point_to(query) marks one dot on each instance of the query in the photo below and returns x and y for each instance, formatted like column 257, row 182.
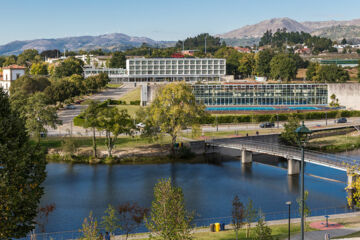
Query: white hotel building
column 165, row 69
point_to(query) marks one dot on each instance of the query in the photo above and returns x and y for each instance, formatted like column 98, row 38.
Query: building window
column 17, row 76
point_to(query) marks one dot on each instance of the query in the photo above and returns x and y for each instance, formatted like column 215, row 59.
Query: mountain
column 338, row 32
column 257, row 30
column 326, row 24
column 114, row 41
column 334, row 30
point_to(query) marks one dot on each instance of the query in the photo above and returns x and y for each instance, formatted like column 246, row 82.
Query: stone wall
column 347, row 93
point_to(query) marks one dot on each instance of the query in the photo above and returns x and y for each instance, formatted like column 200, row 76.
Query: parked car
column 267, row 125
column 69, row 106
column 140, row 125
column 341, row 120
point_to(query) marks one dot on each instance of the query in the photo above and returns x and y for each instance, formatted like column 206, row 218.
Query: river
column 208, row 188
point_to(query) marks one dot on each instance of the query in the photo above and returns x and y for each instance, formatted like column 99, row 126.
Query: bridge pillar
column 246, row 156
column 293, row 167
column 351, row 178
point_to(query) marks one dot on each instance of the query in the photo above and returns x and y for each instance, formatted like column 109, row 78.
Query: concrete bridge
column 247, row 147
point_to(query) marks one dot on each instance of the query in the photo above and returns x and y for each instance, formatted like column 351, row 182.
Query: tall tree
column 283, row 67
column 232, row 57
column 38, row 114
column 250, row 216
column 91, row 121
column 238, row 214
column 247, row 65
column 117, row 60
column 168, row 218
column 69, row 67
column 40, row 68
column 262, row 62
column 288, row 136
column 110, row 222
column 173, row 109
column 22, row 171
column 28, row 85
column 114, row 122
column 28, row 56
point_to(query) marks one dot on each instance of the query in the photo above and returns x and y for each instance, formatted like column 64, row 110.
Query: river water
column 208, row 188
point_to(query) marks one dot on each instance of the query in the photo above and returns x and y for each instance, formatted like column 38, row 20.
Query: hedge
column 136, row 102
column 256, row 118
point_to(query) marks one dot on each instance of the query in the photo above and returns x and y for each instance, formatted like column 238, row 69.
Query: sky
column 157, row 19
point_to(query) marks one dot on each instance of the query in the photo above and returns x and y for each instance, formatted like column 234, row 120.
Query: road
column 251, row 126
column 67, row 115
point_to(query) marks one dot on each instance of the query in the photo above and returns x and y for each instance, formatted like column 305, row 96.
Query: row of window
column 161, row 62
column 178, row 67
column 261, row 101
column 177, row 72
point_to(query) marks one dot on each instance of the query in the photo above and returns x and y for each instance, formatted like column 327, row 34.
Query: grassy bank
column 335, row 144
column 121, row 142
column 133, row 95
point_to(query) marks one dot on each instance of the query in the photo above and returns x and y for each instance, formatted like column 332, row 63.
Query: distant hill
column 257, row 30
column 114, row 41
column 339, row 32
column 334, row 30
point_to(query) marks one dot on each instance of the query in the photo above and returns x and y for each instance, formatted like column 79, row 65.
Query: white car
column 140, row 125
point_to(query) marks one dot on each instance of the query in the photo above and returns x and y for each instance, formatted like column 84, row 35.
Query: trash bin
column 222, row 226
column 217, row 227
column 212, row 227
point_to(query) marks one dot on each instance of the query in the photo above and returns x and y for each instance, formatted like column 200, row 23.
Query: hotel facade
column 165, row 70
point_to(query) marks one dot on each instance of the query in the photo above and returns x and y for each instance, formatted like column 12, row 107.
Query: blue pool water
column 254, row 108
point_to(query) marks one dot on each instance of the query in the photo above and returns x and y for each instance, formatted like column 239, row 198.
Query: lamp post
column 302, row 133
column 289, row 204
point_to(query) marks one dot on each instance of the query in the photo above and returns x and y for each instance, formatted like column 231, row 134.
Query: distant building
column 89, row 60
column 243, row 50
column 303, row 51
column 188, row 52
column 165, row 70
column 10, row 74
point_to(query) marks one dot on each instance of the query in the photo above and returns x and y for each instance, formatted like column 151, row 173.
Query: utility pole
column 183, row 42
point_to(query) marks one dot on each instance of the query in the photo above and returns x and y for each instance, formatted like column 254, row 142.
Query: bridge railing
column 340, row 161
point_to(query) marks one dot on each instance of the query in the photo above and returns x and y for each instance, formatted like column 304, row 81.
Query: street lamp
column 289, row 204
column 302, row 133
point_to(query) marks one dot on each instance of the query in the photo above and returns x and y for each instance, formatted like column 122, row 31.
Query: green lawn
column 114, row 85
column 133, row 95
column 339, row 143
column 132, row 109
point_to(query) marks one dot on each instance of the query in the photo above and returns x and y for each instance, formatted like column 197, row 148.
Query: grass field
column 114, row 85
column 133, row 95
column 132, row 109
column 339, row 143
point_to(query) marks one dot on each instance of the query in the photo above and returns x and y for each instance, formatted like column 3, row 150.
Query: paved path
column 320, row 235
column 67, row 116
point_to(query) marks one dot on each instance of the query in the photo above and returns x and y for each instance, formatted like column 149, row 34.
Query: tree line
column 281, row 37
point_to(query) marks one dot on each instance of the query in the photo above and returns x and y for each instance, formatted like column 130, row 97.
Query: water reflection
column 208, row 187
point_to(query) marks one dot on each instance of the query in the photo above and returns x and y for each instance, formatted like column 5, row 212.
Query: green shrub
column 257, row 118
column 136, row 102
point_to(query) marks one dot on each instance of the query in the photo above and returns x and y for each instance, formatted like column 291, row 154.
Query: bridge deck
column 339, row 162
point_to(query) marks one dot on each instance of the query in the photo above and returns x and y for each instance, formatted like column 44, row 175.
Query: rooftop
column 14, row 66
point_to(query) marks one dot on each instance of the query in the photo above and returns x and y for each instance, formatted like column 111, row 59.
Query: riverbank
column 336, row 144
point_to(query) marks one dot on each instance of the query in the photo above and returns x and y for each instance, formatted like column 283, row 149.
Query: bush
column 257, row 118
column 136, row 102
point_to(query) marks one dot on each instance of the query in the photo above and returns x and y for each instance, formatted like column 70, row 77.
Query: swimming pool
column 262, row 108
